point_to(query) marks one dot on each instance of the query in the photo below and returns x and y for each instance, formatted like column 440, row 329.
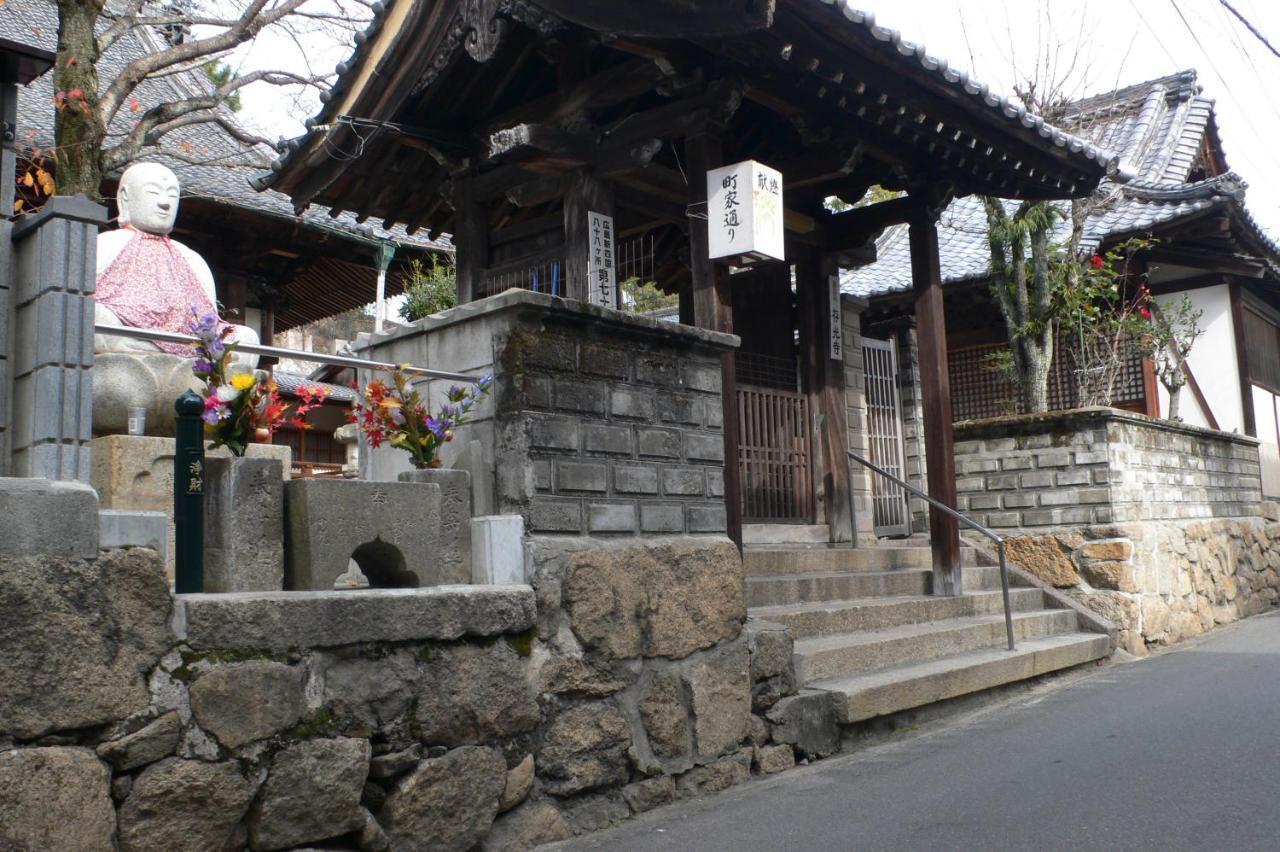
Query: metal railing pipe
column 278, row 352
column 962, row 518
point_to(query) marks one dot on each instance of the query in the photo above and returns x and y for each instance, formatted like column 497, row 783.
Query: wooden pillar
column 584, row 192
column 824, row 384
column 235, row 298
column 1242, row 360
column 926, row 282
column 470, row 238
column 713, row 308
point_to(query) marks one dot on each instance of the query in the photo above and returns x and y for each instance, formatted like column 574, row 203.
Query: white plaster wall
column 1264, row 416
column 1212, row 361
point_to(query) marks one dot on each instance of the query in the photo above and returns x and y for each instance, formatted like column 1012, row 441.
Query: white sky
column 1002, row 42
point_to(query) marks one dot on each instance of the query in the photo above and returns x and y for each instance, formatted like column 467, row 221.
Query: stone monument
column 145, row 279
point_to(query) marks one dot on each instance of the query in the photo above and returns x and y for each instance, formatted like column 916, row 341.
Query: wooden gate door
column 775, row 433
column 890, row 510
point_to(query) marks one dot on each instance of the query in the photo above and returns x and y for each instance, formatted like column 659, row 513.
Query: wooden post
column 1250, row 424
column 713, row 309
column 471, row 239
column 584, row 193
column 236, row 298
column 926, row 282
column 824, row 385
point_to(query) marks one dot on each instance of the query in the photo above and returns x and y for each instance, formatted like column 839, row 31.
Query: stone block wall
column 448, row 718
column 1161, row 582
column 49, row 343
column 1101, row 465
column 600, row 422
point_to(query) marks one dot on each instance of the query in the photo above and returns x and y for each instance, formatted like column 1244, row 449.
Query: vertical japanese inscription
column 601, row 271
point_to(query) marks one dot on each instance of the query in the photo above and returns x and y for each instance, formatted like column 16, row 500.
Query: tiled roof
column 1014, row 112
column 1157, row 126
column 225, row 164
column 291, row 383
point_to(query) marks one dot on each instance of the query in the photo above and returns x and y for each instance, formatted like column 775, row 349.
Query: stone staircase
column 867, row 629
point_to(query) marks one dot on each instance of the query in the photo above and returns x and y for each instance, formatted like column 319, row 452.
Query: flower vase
column 243, row 524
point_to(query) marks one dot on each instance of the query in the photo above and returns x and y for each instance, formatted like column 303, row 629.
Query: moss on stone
column 317, row 723
column 522, row 643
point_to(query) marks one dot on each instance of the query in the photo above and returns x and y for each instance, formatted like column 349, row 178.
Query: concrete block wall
column 599, row 423
column 1099, row 466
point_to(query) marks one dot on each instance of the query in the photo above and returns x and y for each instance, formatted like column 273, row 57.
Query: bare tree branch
column 255, row 17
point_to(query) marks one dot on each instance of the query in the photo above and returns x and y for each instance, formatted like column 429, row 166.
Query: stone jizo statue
column 145, row 279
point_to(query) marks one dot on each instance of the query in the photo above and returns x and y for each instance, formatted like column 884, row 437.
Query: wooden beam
column 712, row 306
column 1242, row 360
column 926, row 280
column 1211, row 261
column 613, row 85
column 1201, row 400
column 541, row 140
column 676, row 19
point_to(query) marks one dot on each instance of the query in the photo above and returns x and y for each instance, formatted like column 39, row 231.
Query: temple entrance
column 775, row 438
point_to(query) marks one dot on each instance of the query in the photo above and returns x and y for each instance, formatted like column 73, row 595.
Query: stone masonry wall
column 455, row 717
column 1100, row 465
column 1161, row 582
column 600, row 422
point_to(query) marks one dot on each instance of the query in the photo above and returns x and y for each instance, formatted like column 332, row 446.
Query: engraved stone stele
column 243, row 525
column 455, row 515
column 392, row 530
column 135, row 473
column 147, row 280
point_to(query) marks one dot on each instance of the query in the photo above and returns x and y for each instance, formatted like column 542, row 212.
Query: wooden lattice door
column 890, row 509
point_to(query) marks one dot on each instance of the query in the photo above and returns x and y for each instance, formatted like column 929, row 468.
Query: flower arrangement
column 395, row 414
column 240, row 406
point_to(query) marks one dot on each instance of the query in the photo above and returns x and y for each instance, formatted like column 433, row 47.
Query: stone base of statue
column 243, row 525
column 392, row 531
column 124, row 380
column 136, row 473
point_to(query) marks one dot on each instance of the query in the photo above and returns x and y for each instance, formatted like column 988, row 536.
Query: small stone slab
column 243, row 525
column 393, row 530
column 48, row 518
column 278, row 621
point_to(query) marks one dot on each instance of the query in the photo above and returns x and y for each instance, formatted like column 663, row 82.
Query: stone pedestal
column 48, row 517
column 391, row 529
column 151, row 380
column 243, row 525
column 497, row 550
column 455, row 516
column 136, row 473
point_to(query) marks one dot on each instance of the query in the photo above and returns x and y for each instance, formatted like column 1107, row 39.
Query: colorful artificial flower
column 396, row 415
column 243, row 405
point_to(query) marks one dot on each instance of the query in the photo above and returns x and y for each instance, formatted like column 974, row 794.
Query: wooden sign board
column 744, row 212
column 835, row 321
column 601, row 262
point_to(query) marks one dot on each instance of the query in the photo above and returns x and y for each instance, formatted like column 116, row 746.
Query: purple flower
column 216, row 347
column 437, row 427
column 211, row 416
column 203, row 366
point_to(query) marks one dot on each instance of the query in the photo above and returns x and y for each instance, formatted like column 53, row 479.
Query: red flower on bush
column 1097, row 262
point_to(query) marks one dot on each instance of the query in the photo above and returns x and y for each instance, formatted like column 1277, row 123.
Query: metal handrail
column 964, row 519
column 278, row 352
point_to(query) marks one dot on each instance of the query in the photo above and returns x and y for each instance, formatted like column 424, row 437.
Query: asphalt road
column 1177, row 751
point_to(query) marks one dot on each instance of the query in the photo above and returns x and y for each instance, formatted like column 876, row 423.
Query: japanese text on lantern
column 600, row 260
column 744, row 212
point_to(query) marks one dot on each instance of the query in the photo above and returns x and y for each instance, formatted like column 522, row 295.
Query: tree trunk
column 77, row 129
column 1175, row 394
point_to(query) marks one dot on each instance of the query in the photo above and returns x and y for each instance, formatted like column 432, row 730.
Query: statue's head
column 148, row 198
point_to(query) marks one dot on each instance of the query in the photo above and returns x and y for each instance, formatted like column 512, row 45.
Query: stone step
column 785, row 589
column 808, row 534
column 769, row 561
column 879, row 693
column 848, row 653
column 825, row 618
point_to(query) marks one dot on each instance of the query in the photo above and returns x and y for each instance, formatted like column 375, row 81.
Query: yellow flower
column 243, row 381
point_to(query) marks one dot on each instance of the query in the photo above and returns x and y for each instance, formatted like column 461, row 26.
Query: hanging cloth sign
column 744, row 212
